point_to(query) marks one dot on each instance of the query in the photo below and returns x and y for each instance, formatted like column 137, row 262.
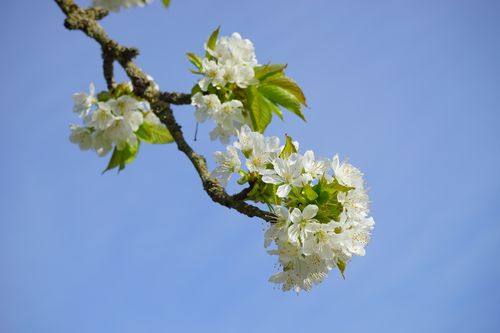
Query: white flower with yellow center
column 300, row 219
column 205, row 106
column 228, row 163
column 83, row 102
column 81, row 136
column 286, row 173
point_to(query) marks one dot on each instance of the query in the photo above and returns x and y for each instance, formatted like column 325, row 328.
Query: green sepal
column 120, row 158
column 103, row 96
column 289, row 148
column 154, row 133
column 264, row 193
column 212, row 40
column 122, row 89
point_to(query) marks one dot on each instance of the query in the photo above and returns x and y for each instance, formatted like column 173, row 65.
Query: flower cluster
column 231, row 61
column 228, row 115
column 116, row 119
column 235, row 90
column 321, row 205
column 229, row 65
column 116, row 5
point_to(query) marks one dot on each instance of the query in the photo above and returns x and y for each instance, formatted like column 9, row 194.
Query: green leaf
column 289, row 148
column 271, row 106
column 154, row 133
column 120, row 158
column 211, row 42
column 289, row 85
column 260, row 111
column 341, row 265
column 196, row 89
column 270, row 70
column 336, row 186
column 310, row 194
column 195, row 60
column 166, row 3
column 282, row 97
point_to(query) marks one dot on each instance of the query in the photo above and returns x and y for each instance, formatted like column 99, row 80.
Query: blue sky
column 409, row 90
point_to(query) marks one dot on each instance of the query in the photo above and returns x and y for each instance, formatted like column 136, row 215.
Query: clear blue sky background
column 409, row 90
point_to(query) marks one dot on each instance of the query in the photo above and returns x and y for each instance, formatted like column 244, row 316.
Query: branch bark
column 85, row 20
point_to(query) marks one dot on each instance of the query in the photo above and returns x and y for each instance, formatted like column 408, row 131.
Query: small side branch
column 107, row 68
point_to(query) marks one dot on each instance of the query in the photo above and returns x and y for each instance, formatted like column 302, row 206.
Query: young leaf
column 289, row 148
column 166, row 3
column 311, row 195
column 270, row 70
column 341, row 265
column 272, row 106
column 281, row 96
column 114, row 161
column 289, row 85
column 211, row 42
column 122, row 157
column 195, row 60
column 260, row 111
column 154, row 133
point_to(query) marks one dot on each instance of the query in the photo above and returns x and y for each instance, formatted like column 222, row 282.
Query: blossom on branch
column 321, row 206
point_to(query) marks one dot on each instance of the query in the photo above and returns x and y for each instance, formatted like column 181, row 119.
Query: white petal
column 310, row 211
column 273, row 179
column 283, row 190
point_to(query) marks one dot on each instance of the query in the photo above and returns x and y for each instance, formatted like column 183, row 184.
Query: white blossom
column 300, row 219
column 286, row 173
column 347, row 174
column 228, row 163
column 312, row 168
column 205, row 106
column 81, row 136
column 83, row 102
column 102, row 118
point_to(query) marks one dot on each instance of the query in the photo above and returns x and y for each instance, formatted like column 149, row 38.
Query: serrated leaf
column 259, row 110
column 282, row 97
column 195, row 60
column 341, row 265
column 270, row 70
column 154, row 133
column 289, row 148
column 212, row 41
column 120, row 158
column 166, row 3
column 289, row 85
column 272, row 106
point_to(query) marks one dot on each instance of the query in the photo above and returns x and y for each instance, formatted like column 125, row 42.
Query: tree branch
column 176, row 98
column 86, row 21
